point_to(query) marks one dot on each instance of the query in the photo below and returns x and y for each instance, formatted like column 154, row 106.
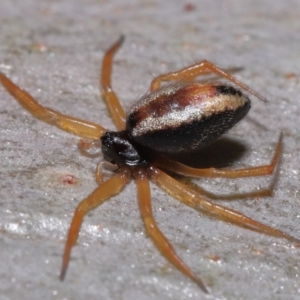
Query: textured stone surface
column 54, row 50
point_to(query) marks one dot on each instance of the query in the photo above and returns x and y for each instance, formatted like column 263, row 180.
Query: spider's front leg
column 114, row 106
column 74, row 125
column 203, row 67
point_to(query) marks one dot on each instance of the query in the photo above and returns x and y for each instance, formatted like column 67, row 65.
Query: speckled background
column 54, row 50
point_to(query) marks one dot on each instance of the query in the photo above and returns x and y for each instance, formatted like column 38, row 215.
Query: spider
column 180, row 117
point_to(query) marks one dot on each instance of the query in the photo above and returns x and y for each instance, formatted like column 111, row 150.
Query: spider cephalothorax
column 118, row 147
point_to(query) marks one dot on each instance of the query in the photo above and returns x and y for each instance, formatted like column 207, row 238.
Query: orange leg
column 74, row 125
column 191, row 198
column 109, row 188
column 225, row 173
column 156, row 235
column 85, row 147
column 99, row 173
column 203, row 67
column 115, row 108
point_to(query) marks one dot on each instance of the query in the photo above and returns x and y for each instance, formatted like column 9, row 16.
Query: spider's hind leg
column 224, row 173
column 154, row 232
column 190, row 197
column 203, row 67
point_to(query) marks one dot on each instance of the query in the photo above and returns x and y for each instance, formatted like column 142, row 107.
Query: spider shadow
column 222, row 154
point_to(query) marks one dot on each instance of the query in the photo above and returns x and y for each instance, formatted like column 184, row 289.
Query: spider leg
column 154, row 232
column 203, row 67
column 99, row 170
column 115, row 108
column 74, row 125
column 109, row 188
column 191, row 198
column 225, row 173
column 99, row 173
column 85, row 145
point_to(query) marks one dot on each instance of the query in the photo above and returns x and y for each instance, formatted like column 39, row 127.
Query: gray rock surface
column 53, row 49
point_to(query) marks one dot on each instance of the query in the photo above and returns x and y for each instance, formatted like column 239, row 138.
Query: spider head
column 119, row 148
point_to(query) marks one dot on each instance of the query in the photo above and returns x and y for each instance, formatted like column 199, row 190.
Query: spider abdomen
column 181, row 118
